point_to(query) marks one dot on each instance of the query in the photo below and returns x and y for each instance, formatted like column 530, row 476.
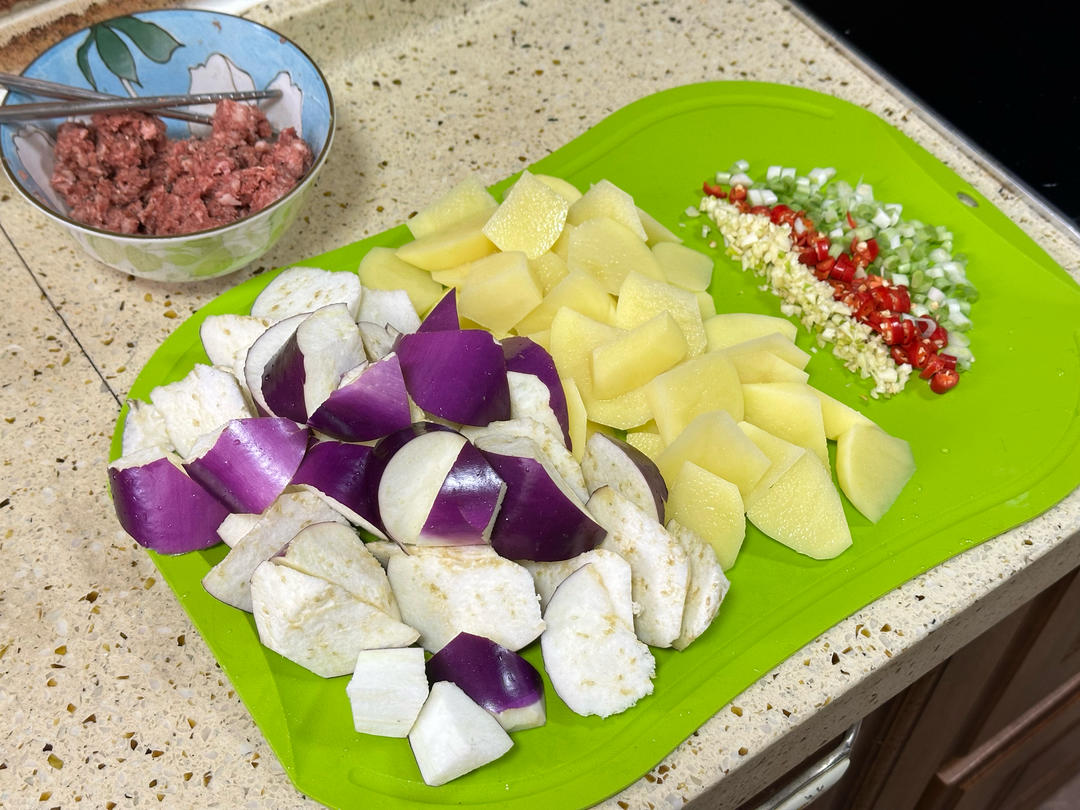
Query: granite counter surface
column 111, row 699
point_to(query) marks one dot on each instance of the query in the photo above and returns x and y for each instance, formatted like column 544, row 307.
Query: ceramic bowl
column 171, row 52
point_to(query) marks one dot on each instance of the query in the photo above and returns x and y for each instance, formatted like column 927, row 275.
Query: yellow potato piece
column 729, row 328
column 578, row 291
column 872, row 468
column 803, row 511
column 635, row 357
column 714, row 441
column 654, row 231
column 788, row 411
column 646, row 441
column 605, row 199
column 684, row 267
column 782, row 457
column 548, row 269
column 577, row 418
column 773, row 342
column 762, row 366
column 467, row 199
column 642, row 298
column 838, row 417
column 530, row 218
column 573, row 337
column 710, row 507
column 449, row 247
column 609, row 251
column 381, row 269
column 563, row 188
column 701, row 384
column 498, row 292
column 706, row 305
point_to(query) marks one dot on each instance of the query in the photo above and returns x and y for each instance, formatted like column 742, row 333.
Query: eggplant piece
column 387, row 690
column 304, row 289
column 613, row 462
column 370, row 402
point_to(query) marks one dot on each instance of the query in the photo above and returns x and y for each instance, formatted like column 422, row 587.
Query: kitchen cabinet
column 995, row 725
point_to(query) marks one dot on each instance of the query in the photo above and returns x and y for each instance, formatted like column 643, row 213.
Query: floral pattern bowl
column 172, row 52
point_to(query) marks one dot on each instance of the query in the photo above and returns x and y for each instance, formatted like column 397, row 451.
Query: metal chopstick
column 63, row 109
column 42, row 87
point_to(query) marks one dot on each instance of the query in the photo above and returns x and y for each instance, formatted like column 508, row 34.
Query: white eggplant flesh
column 442, row 591
column 384, row 550
column 204, row 400
column 336, row 553
column 707, row 586
column 612, row 462
column 144, row 429
column 304, row 289
column 227, row 338
column 391, row 307
column 160, row 506
column 660, row 571
column 387, row 690
column 612, row 568
column 235, row 526
column 594, row 661
column 317, row 624
column 530, row 398
column 230, row 579
column 379, row 338
column 527, row 357
column 453, row 736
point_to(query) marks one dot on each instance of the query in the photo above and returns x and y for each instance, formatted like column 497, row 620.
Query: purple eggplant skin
column 538, row 521
column 163, row 509
column 283, row 382
column 458, row 375
column 529, row 357
column 467, row 501
column 341, row 471
column 443, row 317
column 493, row 676
column 251, row 463
column 370, row 407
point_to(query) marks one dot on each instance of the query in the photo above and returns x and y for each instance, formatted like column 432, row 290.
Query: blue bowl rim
column 299, row 188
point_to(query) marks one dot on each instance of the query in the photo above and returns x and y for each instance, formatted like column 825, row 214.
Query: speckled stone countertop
column 109, row 696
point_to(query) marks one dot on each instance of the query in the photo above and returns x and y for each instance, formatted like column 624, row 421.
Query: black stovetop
column 1008, row 82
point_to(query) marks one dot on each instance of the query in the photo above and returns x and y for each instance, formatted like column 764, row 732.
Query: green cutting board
column 995, row 452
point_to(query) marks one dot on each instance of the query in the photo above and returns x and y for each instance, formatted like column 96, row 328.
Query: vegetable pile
column 563, row 450
column 897, row 280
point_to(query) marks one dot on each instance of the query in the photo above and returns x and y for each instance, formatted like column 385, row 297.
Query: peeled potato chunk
column 609, row 251
column 872, row 468
column 803, row 511
column 635, row 357
column 683, row 266
column 791, row 412
column 710, row 507
column 530, row 218
column 642, row 298
column 704, row 383
column 605, row 199
column 449, row 247
column 713, row 441
column 727, row 329
column 498, row 292
column 468, row 198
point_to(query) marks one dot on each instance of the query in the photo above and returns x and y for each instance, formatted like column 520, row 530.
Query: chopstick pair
column 77, row 101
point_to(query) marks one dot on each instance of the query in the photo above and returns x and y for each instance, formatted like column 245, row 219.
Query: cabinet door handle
column 814, row 780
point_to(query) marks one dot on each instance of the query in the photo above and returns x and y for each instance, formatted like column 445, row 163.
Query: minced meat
column 123, row 174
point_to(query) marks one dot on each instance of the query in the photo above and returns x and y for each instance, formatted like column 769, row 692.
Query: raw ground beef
column 123, row 174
